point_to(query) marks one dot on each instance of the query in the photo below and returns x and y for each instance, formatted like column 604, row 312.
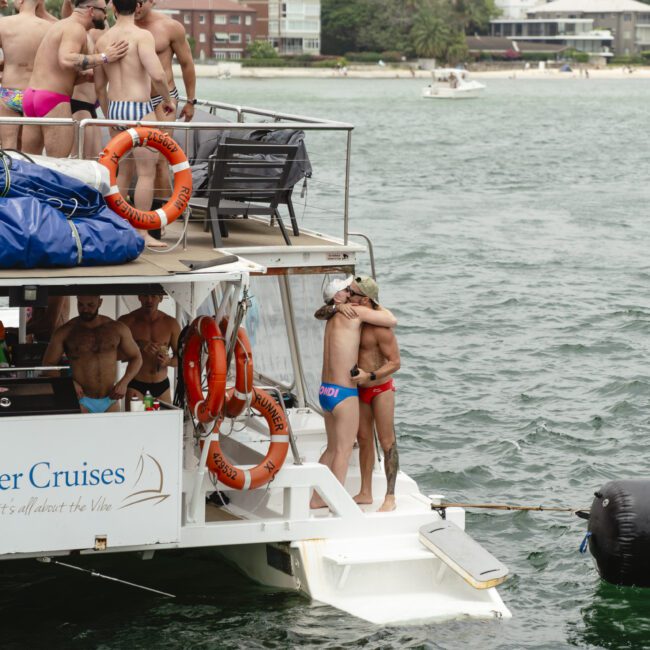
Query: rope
column 499, row 506
column 95, row 574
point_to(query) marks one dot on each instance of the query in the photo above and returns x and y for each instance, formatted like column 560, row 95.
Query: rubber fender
column 619, row 524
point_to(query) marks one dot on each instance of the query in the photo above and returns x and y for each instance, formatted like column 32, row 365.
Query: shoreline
column 235, row 70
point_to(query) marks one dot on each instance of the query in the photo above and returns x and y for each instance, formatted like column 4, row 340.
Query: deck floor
column 244, row 234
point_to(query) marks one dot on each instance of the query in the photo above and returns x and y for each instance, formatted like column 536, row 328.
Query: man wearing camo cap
column 379, row 359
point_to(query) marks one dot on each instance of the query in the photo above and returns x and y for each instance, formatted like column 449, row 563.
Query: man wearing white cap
column 338, row 395
column 379, row 359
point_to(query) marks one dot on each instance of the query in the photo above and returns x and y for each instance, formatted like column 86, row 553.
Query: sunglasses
column 355, row 293
column 102, row 9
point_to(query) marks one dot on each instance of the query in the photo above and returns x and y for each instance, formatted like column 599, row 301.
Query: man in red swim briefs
column 379, row 358
column 61, row 58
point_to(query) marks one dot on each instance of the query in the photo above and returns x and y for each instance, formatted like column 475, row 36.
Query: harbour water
column 512, row 239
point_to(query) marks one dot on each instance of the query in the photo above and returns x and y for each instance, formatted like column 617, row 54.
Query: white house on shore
column 627, row 20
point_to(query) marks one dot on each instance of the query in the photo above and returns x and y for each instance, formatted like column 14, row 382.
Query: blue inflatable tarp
column 50, row 219
column 73, row 197
column 35, row 234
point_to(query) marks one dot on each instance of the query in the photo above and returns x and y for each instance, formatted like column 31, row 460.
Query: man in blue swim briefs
column 338, row 394
column 93, row 343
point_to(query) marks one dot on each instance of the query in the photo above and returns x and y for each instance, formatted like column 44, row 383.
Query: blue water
column 512, row 239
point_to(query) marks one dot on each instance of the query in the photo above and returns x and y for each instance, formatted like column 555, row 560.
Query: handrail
column 308, row 125
column 240, row 110
column 371, row 252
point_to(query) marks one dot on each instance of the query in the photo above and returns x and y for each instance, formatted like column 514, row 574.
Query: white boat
column 137, row 482
column 451, row 83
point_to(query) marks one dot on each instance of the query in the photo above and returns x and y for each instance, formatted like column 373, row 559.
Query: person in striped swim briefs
column 123, row 89
column 338, row 394
column 171, row 42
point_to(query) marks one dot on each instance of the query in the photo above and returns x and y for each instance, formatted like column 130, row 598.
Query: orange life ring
column 240, row 395
column 148, row 137
column 249, row 479
column 205, row 408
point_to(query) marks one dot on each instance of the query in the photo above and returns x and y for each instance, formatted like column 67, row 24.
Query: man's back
column 48, row 74
column 340, row 349
column 21, row 36
column 127, row 78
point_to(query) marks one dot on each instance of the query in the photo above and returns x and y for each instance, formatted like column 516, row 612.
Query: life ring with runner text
column 207, row 407
column 143, row 136
column 240, row 395
column 249, row 479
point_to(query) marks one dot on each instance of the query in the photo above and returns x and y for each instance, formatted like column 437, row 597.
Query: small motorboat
column 452, row 83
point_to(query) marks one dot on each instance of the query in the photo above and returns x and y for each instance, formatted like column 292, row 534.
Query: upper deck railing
column 276, row 121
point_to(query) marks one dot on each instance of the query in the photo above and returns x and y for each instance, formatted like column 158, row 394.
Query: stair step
column 389, row 555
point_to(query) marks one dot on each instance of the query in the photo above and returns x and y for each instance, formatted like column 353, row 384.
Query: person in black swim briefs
column 156, row 334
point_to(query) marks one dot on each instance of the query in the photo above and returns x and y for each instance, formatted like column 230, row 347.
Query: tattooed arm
column 72, row 56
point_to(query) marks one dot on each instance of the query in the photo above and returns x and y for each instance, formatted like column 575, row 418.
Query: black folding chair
column 248, row 178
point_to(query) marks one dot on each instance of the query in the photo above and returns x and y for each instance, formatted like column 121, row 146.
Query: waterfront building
column 515, row 9
column 627, row 20
column 220, row 29
column 569, row 32
column 294, row 26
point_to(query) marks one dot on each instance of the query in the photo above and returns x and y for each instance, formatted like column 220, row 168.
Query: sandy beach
column 224, row 70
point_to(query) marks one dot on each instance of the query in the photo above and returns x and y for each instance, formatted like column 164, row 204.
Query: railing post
column 346, row 207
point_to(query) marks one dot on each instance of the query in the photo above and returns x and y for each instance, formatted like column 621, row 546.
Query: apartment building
column 220, row 29
column 294, row 26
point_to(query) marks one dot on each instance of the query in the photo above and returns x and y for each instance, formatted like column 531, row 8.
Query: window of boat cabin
column 266, row 327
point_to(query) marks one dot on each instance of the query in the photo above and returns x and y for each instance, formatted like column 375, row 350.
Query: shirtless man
column 20, row 36
column 60, row 59
column 171, row 41
column 338, row 395
column 378, row 359
column 155, row 334
column 45, row 320
column 93, row 343
column 129, row 88
column 43, row 13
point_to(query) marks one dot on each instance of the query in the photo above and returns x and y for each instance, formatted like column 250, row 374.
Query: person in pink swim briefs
column 20, row 36
column 61, row 60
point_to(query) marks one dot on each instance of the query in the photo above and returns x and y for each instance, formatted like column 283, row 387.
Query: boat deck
column 258, row 245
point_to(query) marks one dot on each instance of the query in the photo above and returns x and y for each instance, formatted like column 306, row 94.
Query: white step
column 389, row 555
column 463, row 555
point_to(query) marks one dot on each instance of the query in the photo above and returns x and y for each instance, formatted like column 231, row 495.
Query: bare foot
column 389, row 504
column 363, row 499
column 150, row 241
column 316, row 503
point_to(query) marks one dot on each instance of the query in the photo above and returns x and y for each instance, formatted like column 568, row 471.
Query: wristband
column 373, row 376
column 104, row 57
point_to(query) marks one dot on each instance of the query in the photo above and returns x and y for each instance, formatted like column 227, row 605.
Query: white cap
column 336, row 285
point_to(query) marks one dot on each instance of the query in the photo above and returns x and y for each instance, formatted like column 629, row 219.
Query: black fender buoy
column 619, row 523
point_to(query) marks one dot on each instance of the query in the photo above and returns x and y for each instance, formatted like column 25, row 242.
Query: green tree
column 341, row 21
column 54, row 7
column 261, row 50
column 430, row 35
column 388, row 25
column 475, row 15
